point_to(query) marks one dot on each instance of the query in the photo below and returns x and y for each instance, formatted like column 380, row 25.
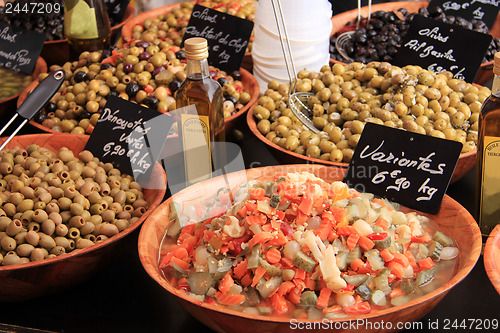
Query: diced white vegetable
column 400, row 300
column 448, row 253
column 290, row 249
column 255, row 228
column 232, row 227
column 330, row 271
column 378, row 298
column 362, row 227
column 408, row 272
column 399, row 218
column 361, row 205
column 345, row 299
column 263, row 206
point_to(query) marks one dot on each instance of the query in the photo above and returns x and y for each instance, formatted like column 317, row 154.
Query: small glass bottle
column 86, row 26
column 488, row 158
column 201, row 135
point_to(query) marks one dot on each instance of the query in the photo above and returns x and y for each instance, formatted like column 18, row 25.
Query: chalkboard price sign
column 129, row 136
column 116, row 9
column 19, row 49
column 483, row 10
column 409, row 168
column 440, row 47
column 227, row 36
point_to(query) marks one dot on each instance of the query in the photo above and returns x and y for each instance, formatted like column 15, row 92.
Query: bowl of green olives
column 379, row 39
column 139, row 72
column 12, row 86
column 346, row 97
column 166, row 25
column 63, row 213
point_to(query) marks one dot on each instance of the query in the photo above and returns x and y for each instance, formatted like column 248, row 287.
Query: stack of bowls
column 308, row 25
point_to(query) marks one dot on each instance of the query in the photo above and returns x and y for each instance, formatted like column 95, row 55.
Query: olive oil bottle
column 86, row 26
column 201, row 134
column 488, row 158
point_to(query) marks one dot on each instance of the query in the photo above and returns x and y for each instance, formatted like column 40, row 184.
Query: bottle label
column 79, row 20
column 489, row 207
column 195, row 133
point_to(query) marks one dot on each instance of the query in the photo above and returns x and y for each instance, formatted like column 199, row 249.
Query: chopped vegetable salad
column 301, row 247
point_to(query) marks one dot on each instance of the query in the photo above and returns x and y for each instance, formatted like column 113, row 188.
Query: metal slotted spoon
column 296, row 100
column 343, row 38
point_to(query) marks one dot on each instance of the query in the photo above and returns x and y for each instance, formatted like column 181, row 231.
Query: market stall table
column 123, row 298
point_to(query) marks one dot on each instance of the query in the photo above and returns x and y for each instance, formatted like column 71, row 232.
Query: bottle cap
column 196, row 48
column 496, row 64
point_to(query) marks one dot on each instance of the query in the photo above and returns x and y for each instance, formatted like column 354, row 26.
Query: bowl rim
column 245, row 76
column 40, row 67
column 74, row 254
column 149, row 227
column 492, row 271
column 128, row 15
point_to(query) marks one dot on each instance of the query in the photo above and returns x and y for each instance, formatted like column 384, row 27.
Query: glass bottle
column 488, row 158
column 201, row 135
column 86, row 26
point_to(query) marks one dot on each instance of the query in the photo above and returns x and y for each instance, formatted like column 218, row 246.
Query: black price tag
column 129, row 136
column 116, row 9
column 440, row 47
column 227, row 36
column 485, row 10
column 409, row 168
column 19, row 50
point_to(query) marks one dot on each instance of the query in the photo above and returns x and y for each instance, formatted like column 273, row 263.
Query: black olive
column 51, row 107
column 360, row 36
column 222, row 81
column 40, row 117
column 231, row 98
column 79, row 76
column 174, row 85
column 132, row 89
column 151, row 102
column 423, row 11
column 105, row 54
column 236, row 75
column 181, row 54
column 84, row 114
column 114, row 93
column 106, row 65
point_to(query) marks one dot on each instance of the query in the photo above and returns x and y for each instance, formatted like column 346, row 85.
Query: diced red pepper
column 377, row 236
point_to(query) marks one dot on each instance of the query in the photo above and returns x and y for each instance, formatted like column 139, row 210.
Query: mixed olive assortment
column 140, row 72
column 55, row 203
column 346, row 97
column 47, row 18
column 12, row 83
column 168, row 29
column 379, row 39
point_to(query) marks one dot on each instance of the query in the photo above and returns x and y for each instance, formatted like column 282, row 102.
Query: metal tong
column 346, row 36
column 297, row 100
column 35, row 101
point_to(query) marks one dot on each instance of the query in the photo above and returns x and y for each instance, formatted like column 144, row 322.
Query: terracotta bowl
column 465, row 163
column 56, row 52
column 8, row 105
column 485, row 72
column 128, row 27
column 30, row 280
column 453, row 219
column 492, row 257
column 248, row 80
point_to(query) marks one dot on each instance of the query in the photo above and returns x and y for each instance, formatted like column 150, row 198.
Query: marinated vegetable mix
column 303, row 248
column 12, row 83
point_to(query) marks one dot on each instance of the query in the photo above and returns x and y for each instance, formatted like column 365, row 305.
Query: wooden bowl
column 8, row 105
column 129, row 26
column 465, row 163
column 26, row 281
column 492, row 257
column 453, row 219
column 248, row 80
column 56, row 52
column 339, row 21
